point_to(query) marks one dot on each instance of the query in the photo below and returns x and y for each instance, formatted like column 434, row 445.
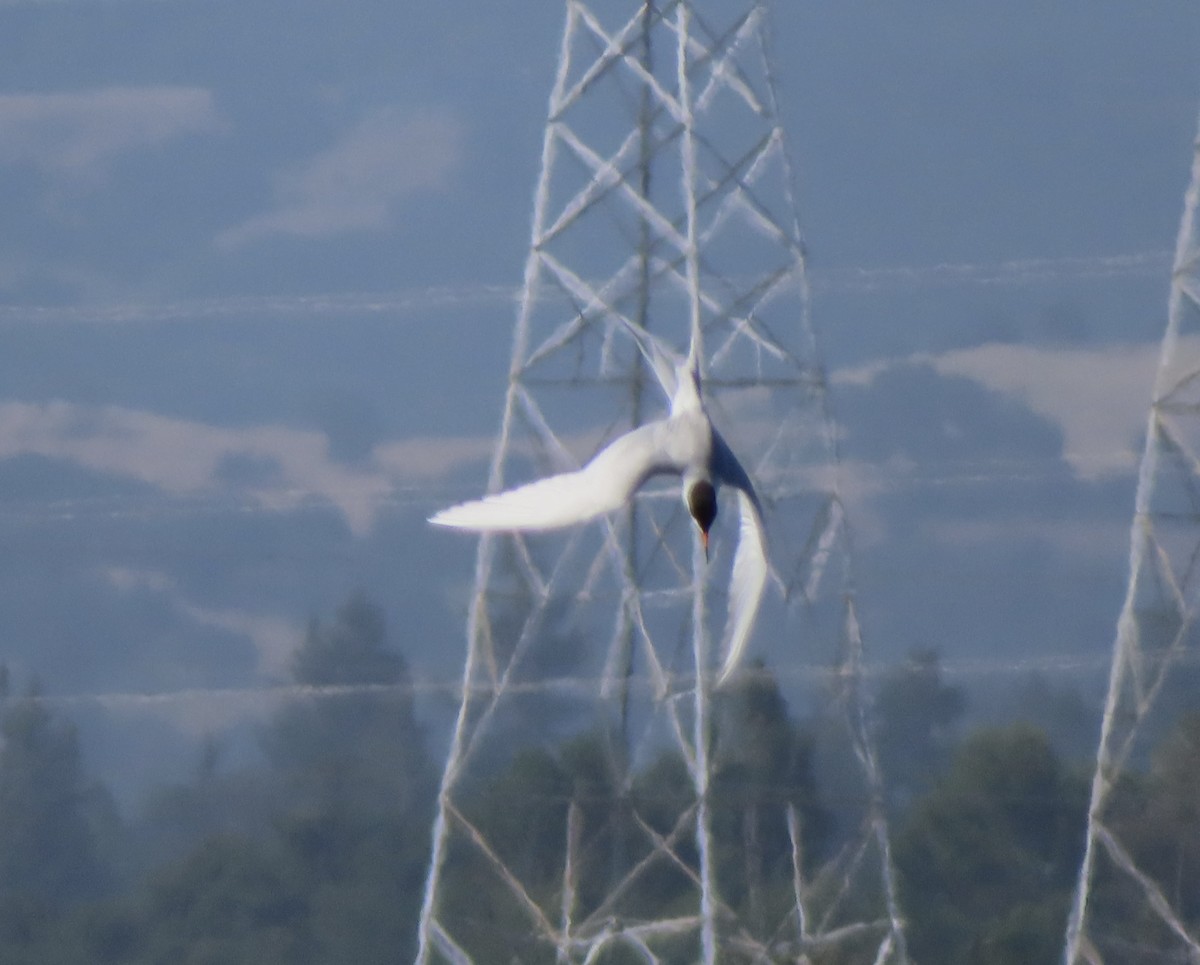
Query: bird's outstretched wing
column 661, row 358
column 750, row 562
column 678, row 376
column 746, row 582
column 604, row 484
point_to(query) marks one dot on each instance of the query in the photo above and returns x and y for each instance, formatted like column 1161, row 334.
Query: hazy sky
column 256, row 265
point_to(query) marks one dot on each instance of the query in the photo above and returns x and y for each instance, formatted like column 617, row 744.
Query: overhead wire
column 872, row 478
column 337, row 306
column 582, row 685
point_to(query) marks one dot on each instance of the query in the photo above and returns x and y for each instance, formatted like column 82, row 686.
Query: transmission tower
column 665, row 202
column 1128, row 906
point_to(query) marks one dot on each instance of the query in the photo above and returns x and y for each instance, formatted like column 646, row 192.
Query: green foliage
column 529, row 811
column 1163, row 831
column 231, row 900
column 764, row 766
column 916, row 717
column 52, row 819
column 321, row 857
column 988, row 858
column 56, row 832
column 353, row 650
column 582, row 797
column 318, row 855
column 345, row 760
column 1156, row 816
column 100, row 933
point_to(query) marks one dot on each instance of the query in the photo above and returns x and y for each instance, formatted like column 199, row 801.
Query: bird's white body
column 686, row 444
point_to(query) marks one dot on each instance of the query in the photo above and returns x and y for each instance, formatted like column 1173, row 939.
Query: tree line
column 318, row 852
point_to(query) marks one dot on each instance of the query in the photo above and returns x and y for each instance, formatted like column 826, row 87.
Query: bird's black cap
column 702, row 504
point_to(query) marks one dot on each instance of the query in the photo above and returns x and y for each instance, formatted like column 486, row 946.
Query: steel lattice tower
column 664, row 201
column 1122, row 891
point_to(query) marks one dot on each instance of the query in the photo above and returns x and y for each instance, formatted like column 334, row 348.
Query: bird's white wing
column 746, row 582
column 678, row 376
column 604, row 484
column 663, row 361
column 750, row 561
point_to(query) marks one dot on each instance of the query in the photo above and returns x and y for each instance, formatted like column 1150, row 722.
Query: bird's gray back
column 688, row 440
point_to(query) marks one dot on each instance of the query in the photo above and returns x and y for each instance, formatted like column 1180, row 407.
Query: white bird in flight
column 685, row 444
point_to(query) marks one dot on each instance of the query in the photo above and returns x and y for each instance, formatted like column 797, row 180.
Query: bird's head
column 701, row 499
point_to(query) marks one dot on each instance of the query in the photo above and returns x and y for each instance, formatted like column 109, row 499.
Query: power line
column 452, row 689
column 341, row 306
column 869, row 478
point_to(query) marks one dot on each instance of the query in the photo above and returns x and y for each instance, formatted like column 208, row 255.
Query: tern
column 685, row 444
